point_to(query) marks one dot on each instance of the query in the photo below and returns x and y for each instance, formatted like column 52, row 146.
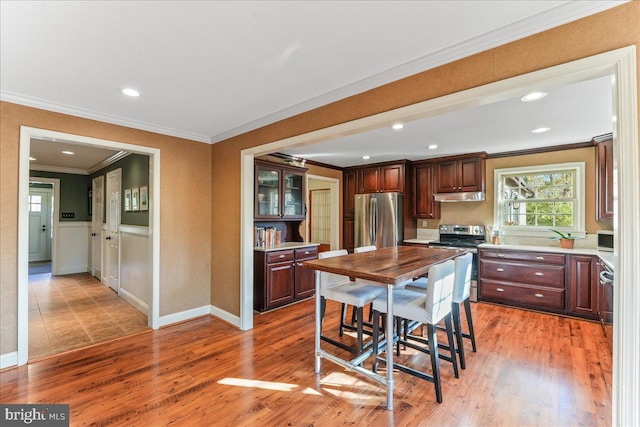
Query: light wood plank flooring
column 530, row 369
column 76, row 310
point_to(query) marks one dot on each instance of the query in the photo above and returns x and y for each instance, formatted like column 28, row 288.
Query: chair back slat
column 364, row 249
column 332, row 279
column 462, row 280
column 440, row 290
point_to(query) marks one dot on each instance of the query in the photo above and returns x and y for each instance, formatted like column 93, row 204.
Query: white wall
column 72, row 247
column 135, row 266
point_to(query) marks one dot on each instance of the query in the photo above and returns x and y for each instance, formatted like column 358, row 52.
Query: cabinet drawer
column 279, row 256
column 523, row 295
column 546, row 275
column 539, row 257
column 307, row 253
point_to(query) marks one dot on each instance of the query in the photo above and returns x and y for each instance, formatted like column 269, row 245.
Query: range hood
column 470, row 196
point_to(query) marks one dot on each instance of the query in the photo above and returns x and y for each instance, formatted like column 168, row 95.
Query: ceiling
column 56, row 156
column 209, row 70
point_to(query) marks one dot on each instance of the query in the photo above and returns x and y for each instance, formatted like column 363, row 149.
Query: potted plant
column 566, row 239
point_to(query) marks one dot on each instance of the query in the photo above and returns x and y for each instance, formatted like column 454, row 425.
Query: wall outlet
column 424, row 223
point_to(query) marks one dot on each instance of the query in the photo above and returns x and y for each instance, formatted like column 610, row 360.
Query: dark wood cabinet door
column 447, row 176
column 305, row 281
column 604, row 176
column 605, row 298
column 470, row 174
column 391, row 178
column 348, row 231
column 350, row 178
column 293, row 194
column 583, row 286
column 368, row 179
column 423, row 189
column 280, row 283
column 267, row 185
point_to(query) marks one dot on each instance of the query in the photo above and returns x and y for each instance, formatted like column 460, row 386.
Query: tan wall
column 482, row 212
column 612, row 29
column 185, row 239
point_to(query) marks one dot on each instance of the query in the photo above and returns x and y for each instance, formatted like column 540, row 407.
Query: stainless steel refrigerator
column 378, row 220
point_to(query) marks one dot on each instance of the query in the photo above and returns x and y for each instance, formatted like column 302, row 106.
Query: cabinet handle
column 537, row 273
column 500, row 255
column 281, row 256
column 299, row 264
column 540, row 257
column 538, row 295
column 306, row 252
column 499, row 269
column 499, row 289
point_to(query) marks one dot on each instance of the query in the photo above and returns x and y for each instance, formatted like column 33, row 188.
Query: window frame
column 577, row 230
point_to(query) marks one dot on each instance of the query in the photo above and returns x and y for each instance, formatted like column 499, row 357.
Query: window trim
column 578, row 230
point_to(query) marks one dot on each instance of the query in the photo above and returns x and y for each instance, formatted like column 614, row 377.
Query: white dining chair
column 425, row 308
column 340, row 288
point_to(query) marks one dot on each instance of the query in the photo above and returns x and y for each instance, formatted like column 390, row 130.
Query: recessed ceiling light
column 366, row 157
column 540, row 130
column 397, row 126
column 32, row 159
column 68, row 152
column 533, row 96
column 432, row 147
column 130, row 92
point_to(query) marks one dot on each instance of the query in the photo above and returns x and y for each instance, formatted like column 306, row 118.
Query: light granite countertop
column 418, row 241
column 606, row 257
column 285, row 245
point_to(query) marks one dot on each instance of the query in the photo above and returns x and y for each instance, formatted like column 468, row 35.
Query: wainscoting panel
column 72, row 247
column 135, row 266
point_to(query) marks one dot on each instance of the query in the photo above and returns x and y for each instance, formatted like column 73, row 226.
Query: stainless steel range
column 463, row 237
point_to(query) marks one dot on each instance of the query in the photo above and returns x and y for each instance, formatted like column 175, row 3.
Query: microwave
column 605, row 240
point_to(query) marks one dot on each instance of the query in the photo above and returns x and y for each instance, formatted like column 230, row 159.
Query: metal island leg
column 318, row 323
column 390, row 340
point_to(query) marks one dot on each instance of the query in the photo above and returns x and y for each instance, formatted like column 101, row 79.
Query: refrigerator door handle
column 374, row 221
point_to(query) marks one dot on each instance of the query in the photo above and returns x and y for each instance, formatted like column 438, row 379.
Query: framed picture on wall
column 127, row 200
column 144, row 198
column 135, row 199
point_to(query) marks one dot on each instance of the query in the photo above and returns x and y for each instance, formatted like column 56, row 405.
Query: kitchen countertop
column 286, row 245
column 606, row 257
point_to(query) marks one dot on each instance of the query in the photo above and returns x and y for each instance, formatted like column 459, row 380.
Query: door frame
column 48, row 241
column 334, row 184
column 619, row 62
column 55, row 182
column 26, row 133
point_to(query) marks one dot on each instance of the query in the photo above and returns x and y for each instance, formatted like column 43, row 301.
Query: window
column 35, row 203
column 531, row 200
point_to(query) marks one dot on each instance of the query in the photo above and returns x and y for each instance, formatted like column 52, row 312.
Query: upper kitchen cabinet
column 463, row 173
column 387, row 177
column 423, row 188
column 279, row 192
column 604, row 177
column 350, row 178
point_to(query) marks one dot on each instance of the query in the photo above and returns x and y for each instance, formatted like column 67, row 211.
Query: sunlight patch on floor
column 267, row 385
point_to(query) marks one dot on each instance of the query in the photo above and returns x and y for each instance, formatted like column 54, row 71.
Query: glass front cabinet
column 279, row 192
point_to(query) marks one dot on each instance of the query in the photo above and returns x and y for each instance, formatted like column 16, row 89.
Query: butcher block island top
column 386, row 266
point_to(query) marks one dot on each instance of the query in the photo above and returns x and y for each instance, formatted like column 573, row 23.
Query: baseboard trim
column 225, row 315
column 134, row 301
column 170, row 319
column 8, row 360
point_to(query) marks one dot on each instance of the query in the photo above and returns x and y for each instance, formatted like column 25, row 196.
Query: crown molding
column 103, row 164
column 58, row 169
column 562, row 14
column 94, row 115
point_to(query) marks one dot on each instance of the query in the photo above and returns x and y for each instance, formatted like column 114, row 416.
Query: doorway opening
column 148, row 241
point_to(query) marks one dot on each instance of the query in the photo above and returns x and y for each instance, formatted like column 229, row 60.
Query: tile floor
column 76, row 310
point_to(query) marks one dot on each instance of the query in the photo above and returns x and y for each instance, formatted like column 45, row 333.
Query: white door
column 112, row 237
column 40, row 224
column 97, row 218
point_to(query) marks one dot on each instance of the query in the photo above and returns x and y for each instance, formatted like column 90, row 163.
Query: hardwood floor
column 76, row 310
column 530, row 369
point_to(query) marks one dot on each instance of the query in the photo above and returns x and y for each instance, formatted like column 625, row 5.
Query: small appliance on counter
column 605, row 240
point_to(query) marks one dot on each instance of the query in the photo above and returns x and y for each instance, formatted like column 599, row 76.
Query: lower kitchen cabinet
column 279, row 278
column 553, row 282
column 525, row 279
column 583, row 286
